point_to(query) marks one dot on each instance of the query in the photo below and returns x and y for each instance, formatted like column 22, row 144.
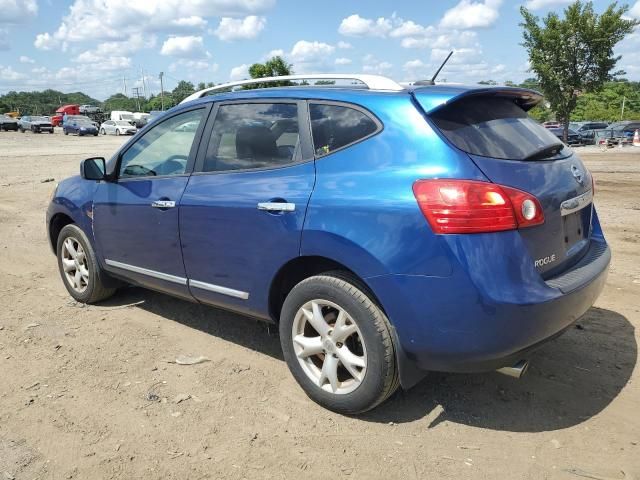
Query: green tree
column 182, row 91
column 574, row 54
column 274, row 67
column 120, row 101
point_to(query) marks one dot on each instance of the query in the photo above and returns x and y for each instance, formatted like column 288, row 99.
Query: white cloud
column 182, row 65
column 470, row 14
column 239, row 73
column 17, row 11
column 414, row 65
column 9, row 74
column 371, row 64
column 343, row 61
column 184, row 46
column 194, row 21
column 240, row 29
column 357, row 26
column 91, row 20
column 274, row 53
column 25, row 59
column 410, row 29
column 45, row 41
column 635, row 10
column 344, row 45
column 538, row 4
column 304, row 51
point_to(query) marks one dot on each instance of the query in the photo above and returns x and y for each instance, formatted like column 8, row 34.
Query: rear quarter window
column 337, row 126
column 492, row 127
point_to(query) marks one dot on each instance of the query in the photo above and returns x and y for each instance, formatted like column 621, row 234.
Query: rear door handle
column 277, row 206
column 163, row 204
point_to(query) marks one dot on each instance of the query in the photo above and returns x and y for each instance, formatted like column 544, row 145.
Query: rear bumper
column 490, row 316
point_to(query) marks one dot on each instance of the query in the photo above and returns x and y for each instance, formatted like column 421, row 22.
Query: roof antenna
column 433, row 79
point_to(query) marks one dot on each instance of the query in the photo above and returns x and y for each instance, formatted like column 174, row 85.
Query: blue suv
column 388, row 230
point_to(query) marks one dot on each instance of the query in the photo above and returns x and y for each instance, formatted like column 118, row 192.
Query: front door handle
column 163, row 204
column 277, row 206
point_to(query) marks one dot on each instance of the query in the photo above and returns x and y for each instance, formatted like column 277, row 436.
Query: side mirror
column 93, row 169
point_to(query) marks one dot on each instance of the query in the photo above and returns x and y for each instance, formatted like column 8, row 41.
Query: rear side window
column 249, row 136
column 336, row 126
column 492, row 127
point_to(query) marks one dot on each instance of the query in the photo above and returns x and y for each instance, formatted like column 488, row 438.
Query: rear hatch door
column 512, row 149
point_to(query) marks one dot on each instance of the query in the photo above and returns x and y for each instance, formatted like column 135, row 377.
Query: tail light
column 469, row 206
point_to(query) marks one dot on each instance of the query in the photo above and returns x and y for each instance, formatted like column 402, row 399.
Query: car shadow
column 569, row 380
column 239, row 329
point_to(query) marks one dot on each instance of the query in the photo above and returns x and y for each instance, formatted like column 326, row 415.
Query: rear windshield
column 492, row 127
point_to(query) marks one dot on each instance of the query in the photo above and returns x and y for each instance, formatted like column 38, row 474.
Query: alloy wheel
column 329, row 347
column 74, row 264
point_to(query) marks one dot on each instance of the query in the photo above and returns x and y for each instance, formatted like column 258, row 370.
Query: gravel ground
column 92, row 392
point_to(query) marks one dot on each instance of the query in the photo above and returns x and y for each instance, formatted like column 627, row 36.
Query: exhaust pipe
column 516, row 371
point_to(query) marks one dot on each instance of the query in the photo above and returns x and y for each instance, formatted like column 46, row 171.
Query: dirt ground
column 92, row 393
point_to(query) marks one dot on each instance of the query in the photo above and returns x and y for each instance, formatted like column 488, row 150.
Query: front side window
column 253, row 135
column 163, row 150
column 336, row 126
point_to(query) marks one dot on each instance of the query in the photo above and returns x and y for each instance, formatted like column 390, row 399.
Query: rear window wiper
column 545, row 152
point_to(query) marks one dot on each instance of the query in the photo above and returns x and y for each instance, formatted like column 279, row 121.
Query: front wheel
column 79, row 267
column 338, row 345
column 102, row 132
column 117, row 132
column 66, row 132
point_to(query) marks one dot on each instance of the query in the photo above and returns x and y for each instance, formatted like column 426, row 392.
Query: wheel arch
column 302, row 267
column 56, row 224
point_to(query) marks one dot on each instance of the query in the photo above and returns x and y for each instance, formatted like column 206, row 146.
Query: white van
column 122, row 115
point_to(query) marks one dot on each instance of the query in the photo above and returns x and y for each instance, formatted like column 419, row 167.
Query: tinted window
column 163, row 150
column 492, row 127
column 253, row 135
column 335, row 126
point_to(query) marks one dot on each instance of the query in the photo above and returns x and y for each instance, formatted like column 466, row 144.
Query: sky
column 102, row 47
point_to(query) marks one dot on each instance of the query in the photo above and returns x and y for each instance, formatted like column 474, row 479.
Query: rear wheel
column 79, row 268
column 337, row 343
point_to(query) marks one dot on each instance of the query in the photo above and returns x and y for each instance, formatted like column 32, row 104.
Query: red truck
column 56, row 120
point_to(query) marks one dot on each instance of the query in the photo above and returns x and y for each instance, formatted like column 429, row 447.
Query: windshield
column 39, row 119
column 123, row 123
column 492, row 127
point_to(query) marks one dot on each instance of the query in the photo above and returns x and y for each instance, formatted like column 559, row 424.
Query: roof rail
column 372, row 82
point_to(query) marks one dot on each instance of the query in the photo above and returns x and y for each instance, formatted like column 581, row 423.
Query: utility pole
column 136, row 92
column 624, row 99
column 161, row 92
column 124, row 82
column 144, row 83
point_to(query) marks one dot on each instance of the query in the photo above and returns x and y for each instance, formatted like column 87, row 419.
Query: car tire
column 95, row 134
column 117, row 131
column 102, row 132
column 66, row 132
column 350, row 366
column 21, row 130
column 79, row 268
column 51, row 131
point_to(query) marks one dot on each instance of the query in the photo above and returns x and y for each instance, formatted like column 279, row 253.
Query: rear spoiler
column 433, row 99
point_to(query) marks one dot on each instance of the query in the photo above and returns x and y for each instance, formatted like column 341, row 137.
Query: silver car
column 117, row 127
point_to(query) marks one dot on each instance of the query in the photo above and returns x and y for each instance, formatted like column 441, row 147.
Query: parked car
column 117, row 127
column 573, row 137
column 83, row 118
column 388, row 231
column 80, row 126
column 35, row 123
column 586, row 126
column 8, row 123
column 89, row 109
column 140, row 119
column 624, row 130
